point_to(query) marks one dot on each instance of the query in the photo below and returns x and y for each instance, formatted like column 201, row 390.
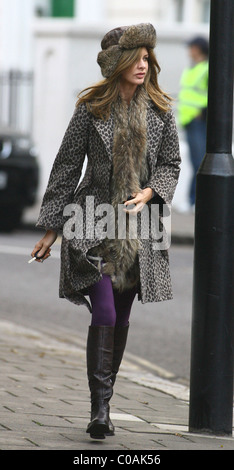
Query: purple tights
column 110, row 307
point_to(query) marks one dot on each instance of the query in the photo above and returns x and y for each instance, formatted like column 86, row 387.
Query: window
column 63, row 8
column 205, row 17
column 179, row 10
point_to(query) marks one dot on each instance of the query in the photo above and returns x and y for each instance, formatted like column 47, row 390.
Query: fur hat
column 119, row 39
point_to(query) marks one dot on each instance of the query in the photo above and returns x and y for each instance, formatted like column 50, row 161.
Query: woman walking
column 125, row 126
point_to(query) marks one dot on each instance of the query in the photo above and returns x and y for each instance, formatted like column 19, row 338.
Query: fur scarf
column 130, row 173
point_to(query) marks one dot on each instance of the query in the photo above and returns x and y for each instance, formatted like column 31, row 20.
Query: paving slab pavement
column 45, row 397
column 45, row 401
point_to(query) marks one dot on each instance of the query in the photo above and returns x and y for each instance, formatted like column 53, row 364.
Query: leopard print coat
column 88, row 135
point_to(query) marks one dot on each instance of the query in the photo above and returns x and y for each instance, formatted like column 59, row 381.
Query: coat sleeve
column 66, row 171
column 164, row 180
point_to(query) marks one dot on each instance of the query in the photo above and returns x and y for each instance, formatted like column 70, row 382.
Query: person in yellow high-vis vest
column 192, row 105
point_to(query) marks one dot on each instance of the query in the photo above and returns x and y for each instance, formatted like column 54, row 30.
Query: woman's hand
column 139, row 199
column 43, row 246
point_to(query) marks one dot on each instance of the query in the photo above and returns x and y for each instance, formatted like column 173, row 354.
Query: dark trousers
column 196, row 138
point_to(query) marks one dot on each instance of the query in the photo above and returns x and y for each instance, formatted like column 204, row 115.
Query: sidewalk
column 45, row 401
column 45, row 397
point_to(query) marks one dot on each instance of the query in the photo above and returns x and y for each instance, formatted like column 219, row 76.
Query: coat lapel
column 155, row 127
column 106, row 131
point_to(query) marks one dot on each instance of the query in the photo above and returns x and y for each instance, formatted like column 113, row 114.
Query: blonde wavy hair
column 101, row 96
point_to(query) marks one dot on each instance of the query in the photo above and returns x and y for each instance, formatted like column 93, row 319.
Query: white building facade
column 61, row 52
column 16, row 18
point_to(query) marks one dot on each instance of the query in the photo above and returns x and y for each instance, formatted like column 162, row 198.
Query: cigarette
column 31, row 260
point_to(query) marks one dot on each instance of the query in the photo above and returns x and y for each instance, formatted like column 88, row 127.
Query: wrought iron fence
column 16, row 100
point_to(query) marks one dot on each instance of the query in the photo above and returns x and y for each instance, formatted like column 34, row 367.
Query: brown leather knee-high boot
column 100, row 346
column 120, row 340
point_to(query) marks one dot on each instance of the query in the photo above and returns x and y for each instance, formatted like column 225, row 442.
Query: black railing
column 16, row 100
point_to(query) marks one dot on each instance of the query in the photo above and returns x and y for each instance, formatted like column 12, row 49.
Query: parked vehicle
column 19, row 177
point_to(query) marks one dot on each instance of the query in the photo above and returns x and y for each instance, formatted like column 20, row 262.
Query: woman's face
column 135, row 74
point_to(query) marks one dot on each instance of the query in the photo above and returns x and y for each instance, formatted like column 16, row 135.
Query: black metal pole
column 211, row 376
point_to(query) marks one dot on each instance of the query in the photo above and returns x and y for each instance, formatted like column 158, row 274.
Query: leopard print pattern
column 87, row 135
